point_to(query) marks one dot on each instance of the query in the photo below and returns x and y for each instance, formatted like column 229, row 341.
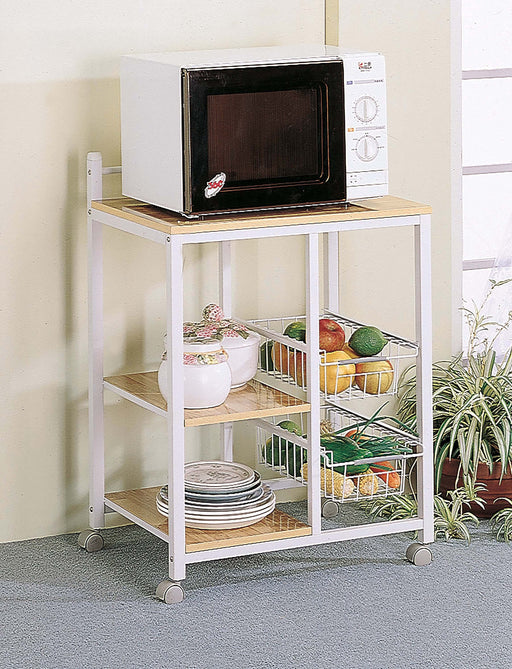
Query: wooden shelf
column 140, row 506
column 254, row 400
column 172, row 223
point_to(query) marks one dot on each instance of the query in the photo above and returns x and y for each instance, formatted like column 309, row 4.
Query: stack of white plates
column 221, row 495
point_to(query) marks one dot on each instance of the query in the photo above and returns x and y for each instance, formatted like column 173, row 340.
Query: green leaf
column 439, row 460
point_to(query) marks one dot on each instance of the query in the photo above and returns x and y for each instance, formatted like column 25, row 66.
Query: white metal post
column 226, row 429
column 313, row 381
column 227, row 441
column 425, row 477
column 94, row 177
column 95, row 317
column 225, row 277
column 331, row 271
column 175, row 410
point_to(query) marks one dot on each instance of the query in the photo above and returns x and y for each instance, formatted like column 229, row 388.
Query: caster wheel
column 170, row 592
column 330, row 509
column 91, row 541
column 419, row 554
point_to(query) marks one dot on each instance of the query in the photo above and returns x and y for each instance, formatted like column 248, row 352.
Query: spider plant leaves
column 472, row 408
column 501, row 522
column 471, row 493
column 450, row 520
column 489, row 361
column 440, row 456
column 394, row 507
column 472, row 411
column 506, row 366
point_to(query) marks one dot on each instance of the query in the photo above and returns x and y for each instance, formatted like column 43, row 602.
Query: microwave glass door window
column 258, row 137
column 265, row 136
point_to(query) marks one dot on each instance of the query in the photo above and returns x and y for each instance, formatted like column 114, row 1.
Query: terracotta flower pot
column 451, row 479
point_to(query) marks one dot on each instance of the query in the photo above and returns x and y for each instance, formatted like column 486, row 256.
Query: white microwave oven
column 207, row 132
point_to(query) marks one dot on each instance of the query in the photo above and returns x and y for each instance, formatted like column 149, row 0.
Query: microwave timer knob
column 367, row 148
column 366, row 109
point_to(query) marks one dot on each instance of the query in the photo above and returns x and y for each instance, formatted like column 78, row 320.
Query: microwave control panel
column 366, row 126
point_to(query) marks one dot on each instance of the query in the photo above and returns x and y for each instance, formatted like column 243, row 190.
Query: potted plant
column 472, row 413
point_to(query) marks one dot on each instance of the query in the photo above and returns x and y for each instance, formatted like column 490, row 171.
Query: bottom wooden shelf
column 139, row 505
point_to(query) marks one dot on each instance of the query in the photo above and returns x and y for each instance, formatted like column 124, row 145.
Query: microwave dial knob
column 366, row 109
column 367, row 148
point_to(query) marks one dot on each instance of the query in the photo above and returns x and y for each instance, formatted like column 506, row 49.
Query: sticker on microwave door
column 215, row 185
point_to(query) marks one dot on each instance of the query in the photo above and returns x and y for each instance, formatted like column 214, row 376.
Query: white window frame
column 497, row 73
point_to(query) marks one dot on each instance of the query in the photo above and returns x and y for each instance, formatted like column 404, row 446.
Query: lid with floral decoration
column 215, row 325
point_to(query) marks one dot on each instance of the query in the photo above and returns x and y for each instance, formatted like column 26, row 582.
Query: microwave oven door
column 263, row 136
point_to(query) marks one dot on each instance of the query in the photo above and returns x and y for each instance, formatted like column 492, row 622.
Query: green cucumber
column 277, row 448
column 297, row 456
column 266, row 361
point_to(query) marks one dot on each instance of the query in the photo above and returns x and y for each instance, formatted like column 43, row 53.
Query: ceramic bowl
column 206, row 374
column 242, row 357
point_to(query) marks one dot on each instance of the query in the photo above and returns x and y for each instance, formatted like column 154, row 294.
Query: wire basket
column 282, row 362
column 286, row 453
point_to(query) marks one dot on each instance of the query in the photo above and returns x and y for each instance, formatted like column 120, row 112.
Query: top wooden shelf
column 171, row 223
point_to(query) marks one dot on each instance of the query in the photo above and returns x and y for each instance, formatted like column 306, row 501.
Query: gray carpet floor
column 356, row 604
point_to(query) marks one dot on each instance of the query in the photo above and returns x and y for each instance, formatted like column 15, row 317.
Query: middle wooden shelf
column 254, row 400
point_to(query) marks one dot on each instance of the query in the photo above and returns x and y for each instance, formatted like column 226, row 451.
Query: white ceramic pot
column 242, row 357
column 206, row 374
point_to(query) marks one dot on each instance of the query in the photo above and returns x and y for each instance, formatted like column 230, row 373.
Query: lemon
column 367, row 340
column 335, row 378
column 374, row 377
column 350, row 352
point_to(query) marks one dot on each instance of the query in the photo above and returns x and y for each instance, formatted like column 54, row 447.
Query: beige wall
column 424, row 159
column 60, row 99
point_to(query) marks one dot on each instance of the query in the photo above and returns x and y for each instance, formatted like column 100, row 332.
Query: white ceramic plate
column 202, row 522
column 220, row 518
column 221, row 511
column 258, row 498
column 217, row 474
column 215, row 502
column 225, row 495
column 234, row 513
column 225, row 525
column 219, row 495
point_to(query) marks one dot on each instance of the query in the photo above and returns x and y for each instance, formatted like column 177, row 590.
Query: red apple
column 332, row 335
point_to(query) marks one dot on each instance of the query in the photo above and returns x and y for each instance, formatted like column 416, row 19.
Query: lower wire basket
column 356, row 480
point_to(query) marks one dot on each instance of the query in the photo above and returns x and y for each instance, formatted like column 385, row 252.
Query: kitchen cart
column 275, row 393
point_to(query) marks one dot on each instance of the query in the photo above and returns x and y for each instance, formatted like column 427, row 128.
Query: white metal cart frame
column 170, row 590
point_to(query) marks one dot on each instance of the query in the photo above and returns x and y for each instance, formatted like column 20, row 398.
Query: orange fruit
column 335, row 378
column 298, row 368
column 282, row 358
